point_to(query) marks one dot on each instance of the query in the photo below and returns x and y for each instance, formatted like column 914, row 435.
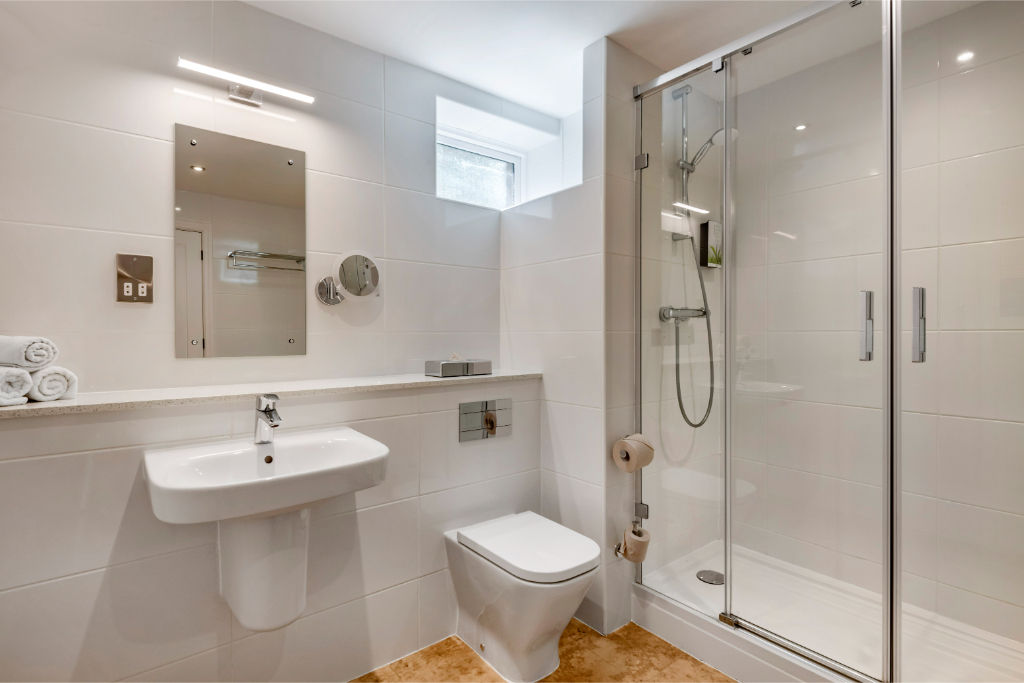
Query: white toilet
column 518, row 581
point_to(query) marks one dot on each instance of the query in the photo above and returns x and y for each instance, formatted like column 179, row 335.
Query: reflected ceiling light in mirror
column 244, row 80
column 800, row 126
column 197, row 168
column 965, row 56
column 687, row 207
column 177, row 208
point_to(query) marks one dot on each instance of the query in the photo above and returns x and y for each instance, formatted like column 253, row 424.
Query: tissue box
column 445, row 368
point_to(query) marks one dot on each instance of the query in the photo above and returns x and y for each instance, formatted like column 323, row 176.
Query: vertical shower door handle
column 920, row 326
column 867, row 325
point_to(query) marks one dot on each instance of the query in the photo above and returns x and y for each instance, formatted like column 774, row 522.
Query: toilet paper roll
column 635, row 543
column 632, row 453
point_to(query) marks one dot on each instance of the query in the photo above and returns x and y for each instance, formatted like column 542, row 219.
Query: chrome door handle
column 920, row 326
column 867, row 325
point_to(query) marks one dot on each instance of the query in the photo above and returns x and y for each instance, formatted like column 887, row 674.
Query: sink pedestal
column 263, row 568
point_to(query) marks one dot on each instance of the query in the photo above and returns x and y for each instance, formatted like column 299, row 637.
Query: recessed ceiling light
column 198, row 169
column 800, row 126
column 687, row 207
column 965, row 56
column 177, row 208
column 244, row 80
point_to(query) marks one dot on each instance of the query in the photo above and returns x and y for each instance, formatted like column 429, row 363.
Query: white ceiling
column 531, row 51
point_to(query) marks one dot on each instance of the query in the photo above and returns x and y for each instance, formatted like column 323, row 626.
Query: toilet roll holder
column 619, row 550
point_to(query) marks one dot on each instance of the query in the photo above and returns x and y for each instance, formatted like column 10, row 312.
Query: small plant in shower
column 714, row 255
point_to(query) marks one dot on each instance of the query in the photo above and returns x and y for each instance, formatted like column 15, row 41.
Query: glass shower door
column 808, row 297
column 681, row 197
column 961, row 522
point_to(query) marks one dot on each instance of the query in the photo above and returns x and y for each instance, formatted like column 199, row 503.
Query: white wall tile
column 412, row 91
column 558, row 226
column 988, row 387
column 979, row 462
column 991, row 31
column 439, row 610
column 133, row 193
column 825, row 222
column 825, row 367
column 575, row 504
column 921, row 137
column 212, row 665
column 982, row 286
column 111, row 623
column 421, row 227
column 337, row 644
column 920, row 205
column 104, row 493
column 409, row 154
column 572, row 441
column 981, row 550
column 964, row 127
column 978, row 198
column 802, row 506
column 530, row 304
column 435, row 298
column 358, row 553
column 571, row 363
column 344, row 215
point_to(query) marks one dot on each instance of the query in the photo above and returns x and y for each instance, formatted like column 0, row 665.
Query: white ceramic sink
column 259, row 495
column 218, row 481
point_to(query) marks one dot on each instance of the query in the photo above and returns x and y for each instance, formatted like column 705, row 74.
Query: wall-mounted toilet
column 518, row 581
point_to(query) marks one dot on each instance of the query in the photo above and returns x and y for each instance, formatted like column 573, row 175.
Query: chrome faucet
column 266, row 418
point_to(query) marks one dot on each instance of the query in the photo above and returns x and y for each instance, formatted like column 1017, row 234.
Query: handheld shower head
column 717, row 138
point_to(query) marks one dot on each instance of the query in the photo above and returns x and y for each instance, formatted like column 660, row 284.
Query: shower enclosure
column 856, row 491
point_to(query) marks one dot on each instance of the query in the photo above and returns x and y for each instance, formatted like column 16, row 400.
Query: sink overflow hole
column 269, row 458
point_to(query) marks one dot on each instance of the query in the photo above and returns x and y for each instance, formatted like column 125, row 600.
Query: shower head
column 717, row 138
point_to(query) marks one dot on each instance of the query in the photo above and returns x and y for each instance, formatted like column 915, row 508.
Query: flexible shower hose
column 711, row 357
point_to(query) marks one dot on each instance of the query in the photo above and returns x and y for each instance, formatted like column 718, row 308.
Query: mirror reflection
column 358, row 275
column 239, row 247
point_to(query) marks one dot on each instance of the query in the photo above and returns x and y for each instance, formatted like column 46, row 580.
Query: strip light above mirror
column 244, row 80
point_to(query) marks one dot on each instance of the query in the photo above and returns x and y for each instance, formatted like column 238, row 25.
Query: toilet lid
column 532, row 547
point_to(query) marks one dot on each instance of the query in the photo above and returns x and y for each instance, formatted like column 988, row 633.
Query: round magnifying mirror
column 358, row 275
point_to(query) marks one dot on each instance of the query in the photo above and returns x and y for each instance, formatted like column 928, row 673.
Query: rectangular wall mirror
column 239, row 246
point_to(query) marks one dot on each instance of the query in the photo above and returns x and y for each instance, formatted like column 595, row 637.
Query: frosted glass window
column 475, row 178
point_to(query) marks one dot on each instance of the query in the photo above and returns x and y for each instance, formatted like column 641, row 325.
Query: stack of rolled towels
column 27, row 372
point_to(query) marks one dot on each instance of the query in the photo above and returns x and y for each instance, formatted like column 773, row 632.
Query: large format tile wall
column 963, row 239
column 814, row 454
column 567, row 310
column 94, row 587
column 87, row 113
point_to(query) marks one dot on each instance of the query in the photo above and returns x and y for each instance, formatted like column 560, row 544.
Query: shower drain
column 711, row 576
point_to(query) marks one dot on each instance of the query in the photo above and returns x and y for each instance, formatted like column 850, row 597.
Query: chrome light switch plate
column 135, row 278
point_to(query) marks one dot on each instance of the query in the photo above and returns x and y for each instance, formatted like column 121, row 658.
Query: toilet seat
column 531, row 547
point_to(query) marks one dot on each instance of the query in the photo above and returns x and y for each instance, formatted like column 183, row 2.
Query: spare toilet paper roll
column 632, row 453
column 635, row 543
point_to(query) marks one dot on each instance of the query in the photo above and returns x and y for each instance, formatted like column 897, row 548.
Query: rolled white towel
column 52, row 383
column 14, row 384
column 31, row 353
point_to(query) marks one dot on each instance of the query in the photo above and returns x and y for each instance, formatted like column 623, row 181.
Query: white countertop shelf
column 105, row 401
